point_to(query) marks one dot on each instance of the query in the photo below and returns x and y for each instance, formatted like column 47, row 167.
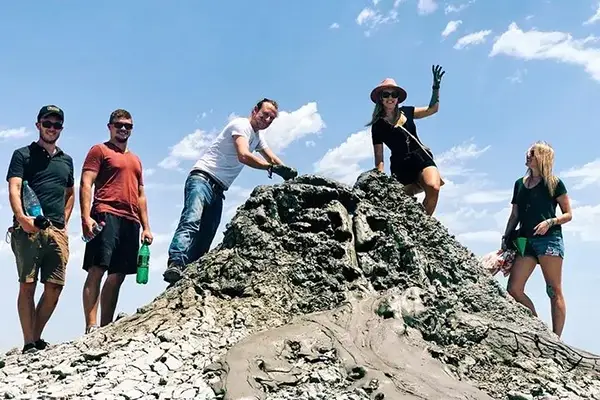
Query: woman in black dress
column 411, row 162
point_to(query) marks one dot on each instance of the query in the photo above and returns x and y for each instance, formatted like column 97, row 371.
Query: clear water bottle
column 31, row 203
column 95, row 231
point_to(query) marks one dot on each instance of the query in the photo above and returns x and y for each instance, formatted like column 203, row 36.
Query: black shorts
column 406, row 168
column 116, row 247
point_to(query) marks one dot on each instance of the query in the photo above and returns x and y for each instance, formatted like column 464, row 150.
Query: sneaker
column 41, row 344
column 29, row 348
column 91, row 329
column 173, row 273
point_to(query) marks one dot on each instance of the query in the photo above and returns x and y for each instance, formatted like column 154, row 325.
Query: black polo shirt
column 48, row 176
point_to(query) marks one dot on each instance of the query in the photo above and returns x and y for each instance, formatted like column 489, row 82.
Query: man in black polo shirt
column 49, row 172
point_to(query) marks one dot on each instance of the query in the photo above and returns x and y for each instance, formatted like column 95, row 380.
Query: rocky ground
column 319, row 291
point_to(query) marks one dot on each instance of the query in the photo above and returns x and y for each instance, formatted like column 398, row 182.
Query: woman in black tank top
column 411, row 162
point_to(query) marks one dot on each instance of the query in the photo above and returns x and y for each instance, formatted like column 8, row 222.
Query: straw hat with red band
column 388, row 83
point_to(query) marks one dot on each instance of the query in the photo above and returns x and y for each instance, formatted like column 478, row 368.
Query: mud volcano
column 320, row 291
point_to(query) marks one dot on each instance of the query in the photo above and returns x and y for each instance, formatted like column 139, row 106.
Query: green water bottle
column 142, row 264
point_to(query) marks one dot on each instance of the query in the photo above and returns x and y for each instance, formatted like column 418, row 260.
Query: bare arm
column 69, row 203
column 14, row 197
column 513, row 220
column 565, row 206
column 143, row 206
column 378, row 153
column 245, row 156
column 270, row 156
column 85, row 193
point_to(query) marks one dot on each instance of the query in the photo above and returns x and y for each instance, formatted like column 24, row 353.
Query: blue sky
column 513, row 75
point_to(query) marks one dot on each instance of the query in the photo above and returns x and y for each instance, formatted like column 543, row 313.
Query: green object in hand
column 520, row 244
column 143, row 264
column 437, row 75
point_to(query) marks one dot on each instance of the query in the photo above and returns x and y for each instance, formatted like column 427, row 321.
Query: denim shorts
column 545, row 246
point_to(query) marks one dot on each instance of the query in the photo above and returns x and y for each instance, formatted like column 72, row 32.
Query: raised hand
column 437, row 75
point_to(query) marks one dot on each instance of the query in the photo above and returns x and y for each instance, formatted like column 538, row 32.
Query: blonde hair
column 544, row 157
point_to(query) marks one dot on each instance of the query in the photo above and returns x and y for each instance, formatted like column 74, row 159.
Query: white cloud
column 343, row 162
column 460, row 153
column 335, row 25
column 189, row 148
column 585, row 222
column 455, row 9
column 472, row 39
column 291, row 126
column 372, row 18
column 594, row 18
column 486, row 197
column 557, row 46
column 587, row 174
column 451, row 27
column 426, row 6
column 517, row 77
column 15, row 133
column 310, row 143
column 149, row 172
column 462, row 219
column 481, row 236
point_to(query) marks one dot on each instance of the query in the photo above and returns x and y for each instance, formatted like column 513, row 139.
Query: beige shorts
column 46, row 251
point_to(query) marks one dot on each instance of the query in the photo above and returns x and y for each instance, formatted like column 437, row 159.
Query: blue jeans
column 200, row 218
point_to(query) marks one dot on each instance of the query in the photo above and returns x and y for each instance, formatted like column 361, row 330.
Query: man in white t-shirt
column 212, row 175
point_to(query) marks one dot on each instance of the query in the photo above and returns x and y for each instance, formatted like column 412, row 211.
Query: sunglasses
column 394, row 95
column 121, row 125
column 530, row 153
column 49, row 124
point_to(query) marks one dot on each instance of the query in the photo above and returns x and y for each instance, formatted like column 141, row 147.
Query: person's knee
column 52, row 290
column 115, row 279
column 516, row 291
column 554, row 292
column 432, row 188
column 27, row 289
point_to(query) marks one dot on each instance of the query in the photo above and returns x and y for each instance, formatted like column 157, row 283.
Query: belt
column 213, row 181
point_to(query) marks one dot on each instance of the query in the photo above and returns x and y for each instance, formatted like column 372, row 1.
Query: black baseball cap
column 51, row 110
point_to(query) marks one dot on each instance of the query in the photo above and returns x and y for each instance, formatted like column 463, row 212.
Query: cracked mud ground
column 320, row 291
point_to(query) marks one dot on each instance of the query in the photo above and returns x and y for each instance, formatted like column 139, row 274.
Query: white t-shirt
column 220, row 160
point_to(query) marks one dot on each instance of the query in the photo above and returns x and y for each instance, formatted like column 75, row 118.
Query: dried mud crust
column 320, row 291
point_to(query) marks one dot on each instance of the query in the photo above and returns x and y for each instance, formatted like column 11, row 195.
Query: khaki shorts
column 46, row 251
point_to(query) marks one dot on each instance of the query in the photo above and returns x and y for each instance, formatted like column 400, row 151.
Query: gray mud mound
column 320, row 291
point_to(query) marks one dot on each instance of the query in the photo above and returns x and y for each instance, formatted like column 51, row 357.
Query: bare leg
column 46, row 307
column 430, row 182
column 519, row 274
column 552, row 270
column 110, row 297
column 91, row 294
column 26, row 309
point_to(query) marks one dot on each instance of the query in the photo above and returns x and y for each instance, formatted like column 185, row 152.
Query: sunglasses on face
column 50, row 124
column 530, row 154
column 393, row 95
column 121, row 125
